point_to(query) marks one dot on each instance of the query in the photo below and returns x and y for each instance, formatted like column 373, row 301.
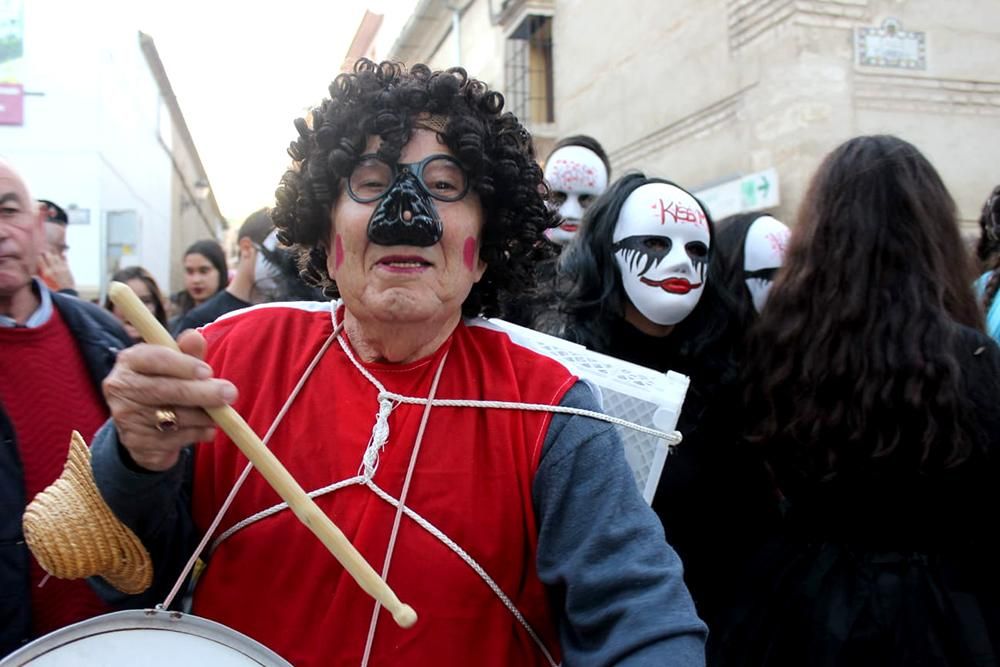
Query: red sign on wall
column 11, row 104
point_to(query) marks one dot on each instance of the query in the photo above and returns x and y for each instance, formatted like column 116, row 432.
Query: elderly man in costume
column 518, row 535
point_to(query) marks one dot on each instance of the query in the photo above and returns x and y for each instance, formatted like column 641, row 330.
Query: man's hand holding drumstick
column 163, row 397
column 150, row 380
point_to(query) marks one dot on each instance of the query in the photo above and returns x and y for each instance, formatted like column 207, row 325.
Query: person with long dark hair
column 577, row 172
column 988, row 252
column 600, row 315
column 643, row 284
column 265, row 272
column 205, row 274
column 752, row 247
column 873, row 397
column 145, row 287
column 988, row 246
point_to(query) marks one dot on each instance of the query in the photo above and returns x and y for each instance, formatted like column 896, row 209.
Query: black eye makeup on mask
column 763, row 274
column 646, row 250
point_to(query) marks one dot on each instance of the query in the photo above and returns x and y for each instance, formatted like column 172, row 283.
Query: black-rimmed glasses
column 440, row 176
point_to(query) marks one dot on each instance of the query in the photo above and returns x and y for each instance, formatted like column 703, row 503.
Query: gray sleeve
column 154, row 505
column 618, row 585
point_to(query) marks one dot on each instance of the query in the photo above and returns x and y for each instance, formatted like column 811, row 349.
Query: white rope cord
column 470, row 561
column 390, row 549
column 672, row 438
column 385, row 397
column 388, row 401
column 420, row 521
column 246, row 471
column 274, row 509
column 380, row 431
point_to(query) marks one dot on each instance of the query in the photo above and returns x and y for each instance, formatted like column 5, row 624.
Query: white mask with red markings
column 661, row 244
column 576, row 177
column 763, row 253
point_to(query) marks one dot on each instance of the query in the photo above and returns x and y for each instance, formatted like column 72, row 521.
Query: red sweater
column 47, row 392
column 473, row 479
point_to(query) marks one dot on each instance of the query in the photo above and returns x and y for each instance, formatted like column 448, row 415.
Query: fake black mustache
column 387, row 225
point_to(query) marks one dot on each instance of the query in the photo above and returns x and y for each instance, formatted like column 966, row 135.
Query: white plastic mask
column 661, row 244
column 576, row 177
column 763, row 253
column 265, row 274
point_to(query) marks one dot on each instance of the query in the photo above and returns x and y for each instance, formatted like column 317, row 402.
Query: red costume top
column 274, row 581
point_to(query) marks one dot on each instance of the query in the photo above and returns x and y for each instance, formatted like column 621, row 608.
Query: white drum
column 149, row 637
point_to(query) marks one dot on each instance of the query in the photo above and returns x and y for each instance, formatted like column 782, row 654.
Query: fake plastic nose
column 405, row 216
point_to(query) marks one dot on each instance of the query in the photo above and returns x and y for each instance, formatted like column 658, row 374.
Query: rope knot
column 380, row 436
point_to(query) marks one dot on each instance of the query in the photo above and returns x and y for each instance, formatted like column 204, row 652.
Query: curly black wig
column 387, row 100
column 593, row 296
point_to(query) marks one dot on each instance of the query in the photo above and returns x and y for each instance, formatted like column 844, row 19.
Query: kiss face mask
column 661, row 244
column 763, row 253
column 576, row 177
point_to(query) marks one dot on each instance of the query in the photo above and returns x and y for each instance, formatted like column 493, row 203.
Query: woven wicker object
column 73, row 533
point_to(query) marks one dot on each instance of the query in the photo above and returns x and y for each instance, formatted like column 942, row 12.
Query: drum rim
column 146, row 619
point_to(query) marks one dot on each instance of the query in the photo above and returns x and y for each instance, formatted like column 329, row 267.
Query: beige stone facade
column 704, row 92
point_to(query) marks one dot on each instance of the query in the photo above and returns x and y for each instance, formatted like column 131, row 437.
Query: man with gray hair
column 55, row 350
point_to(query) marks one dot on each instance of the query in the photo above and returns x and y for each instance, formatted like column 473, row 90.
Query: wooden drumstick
column 276, row 475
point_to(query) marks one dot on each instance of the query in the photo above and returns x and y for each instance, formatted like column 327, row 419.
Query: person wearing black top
column 753, row 245
column 874, row 401
column 265, row 272
column 643, row 285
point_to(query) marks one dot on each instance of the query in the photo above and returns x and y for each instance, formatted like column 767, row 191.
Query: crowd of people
column 824, row 506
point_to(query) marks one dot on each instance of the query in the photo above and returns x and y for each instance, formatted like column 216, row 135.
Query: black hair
column 386, row 100
column 54, row 212
column 988, row 249
column 854, row 358
column 139, row 273
column 730, row 240
column 212, row 251
column 256, row 227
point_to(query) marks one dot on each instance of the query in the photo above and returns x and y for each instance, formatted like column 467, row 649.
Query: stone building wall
column 706, row 92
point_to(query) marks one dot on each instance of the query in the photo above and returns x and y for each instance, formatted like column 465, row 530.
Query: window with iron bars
column 528, row 67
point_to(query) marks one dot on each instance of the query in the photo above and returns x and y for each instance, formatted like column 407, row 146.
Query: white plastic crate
column 634, row 393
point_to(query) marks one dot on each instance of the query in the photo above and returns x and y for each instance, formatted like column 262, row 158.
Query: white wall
column 89, row 132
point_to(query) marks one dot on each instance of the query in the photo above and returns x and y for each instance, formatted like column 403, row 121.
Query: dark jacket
column 219, row 304
column 100, row 337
